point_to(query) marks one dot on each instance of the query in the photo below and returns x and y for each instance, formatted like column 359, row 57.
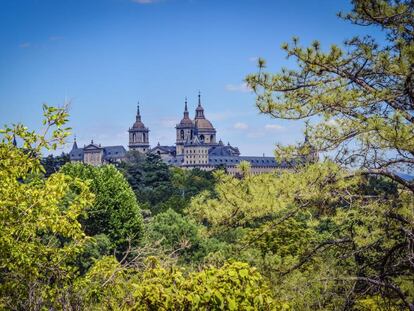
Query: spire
column 138, row 113
column 75, row 145
column 14, row 141
column 200, row 109
column 186, row 109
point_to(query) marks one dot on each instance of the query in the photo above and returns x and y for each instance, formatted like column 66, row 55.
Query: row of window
column 196, row 155
column 194, row 151
column 197, row 162
column 237, row 161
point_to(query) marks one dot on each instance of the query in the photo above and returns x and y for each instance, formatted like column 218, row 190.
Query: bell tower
column 138, row 135
column 184, row 130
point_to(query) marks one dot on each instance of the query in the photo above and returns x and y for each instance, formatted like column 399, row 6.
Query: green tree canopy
column 159, row 187
column 115, row 211
column 40, row 235
column 150, row 179
column 52, row 164
column 178, row 235
column 325, row 240
column 234, row 286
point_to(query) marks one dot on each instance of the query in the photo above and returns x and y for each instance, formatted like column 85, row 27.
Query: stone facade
column 196, row 146
column 96, row 155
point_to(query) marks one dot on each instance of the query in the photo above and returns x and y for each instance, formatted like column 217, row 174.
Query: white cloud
column 274, row 127
column 240, row 126
column 25, row 45
column 253, row 59
column 243, row 87
column 169, row 122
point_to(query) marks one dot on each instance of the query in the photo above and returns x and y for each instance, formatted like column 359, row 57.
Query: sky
column 106, row 55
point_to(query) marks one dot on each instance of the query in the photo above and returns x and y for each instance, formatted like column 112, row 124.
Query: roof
column 76, row 154
column 185, row 122
column 167, row 149
column 92, row 146
column 195, row 142
column 114, row 152
column 221, row 150
column 139, row 125
column 235, row 160
column 176, row 161
column 203, row 124
column 110, row 152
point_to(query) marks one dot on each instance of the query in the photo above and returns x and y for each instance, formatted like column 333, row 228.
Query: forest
column 332, row 234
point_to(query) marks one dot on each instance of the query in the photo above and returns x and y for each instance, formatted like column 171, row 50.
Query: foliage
column 52, row 164
column 159, row 187
column 317, row 234
column 234, row 286
column 364, row 92
column 115, row 211
column 179, row 236
column 94, row 249
column 150, row 179
column 40, row 235
column 360, row 99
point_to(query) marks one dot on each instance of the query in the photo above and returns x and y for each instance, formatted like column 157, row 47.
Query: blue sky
column 105, row 55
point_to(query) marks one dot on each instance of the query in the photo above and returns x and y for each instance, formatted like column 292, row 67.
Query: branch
column 393, row 176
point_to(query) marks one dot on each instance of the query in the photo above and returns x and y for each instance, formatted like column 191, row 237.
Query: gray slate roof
column 114, row 152
column 177, row 160
column 223, row 151
column 168, row 149
column 235, row 160
column 110, row 153
column 76, row 154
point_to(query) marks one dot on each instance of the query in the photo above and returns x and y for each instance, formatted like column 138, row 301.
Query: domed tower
column 205, row 131
column 185, row 131
column 138, row 135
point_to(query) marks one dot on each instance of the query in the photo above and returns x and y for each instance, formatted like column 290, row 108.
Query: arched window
column 211, row 138
column 202, row 137
column 143, row 138
column 182, row 134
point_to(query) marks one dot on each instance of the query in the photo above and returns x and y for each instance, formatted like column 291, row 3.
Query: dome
column 186, row 122
column 138, row 125
column 204, row 124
